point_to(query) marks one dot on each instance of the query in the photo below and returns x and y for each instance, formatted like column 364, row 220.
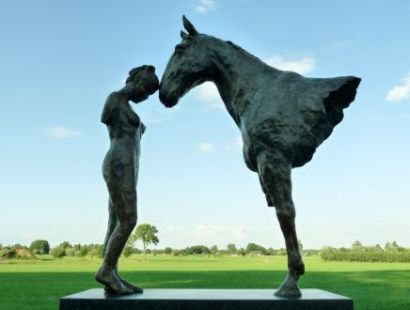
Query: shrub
column 9, row 254
column 81, row 252
column 58, row 252
column 231, row 248
column 97, row 250
column 195, row 250
column 128, row 251
column 242, row 252
column 255, row 249
column 70, row 252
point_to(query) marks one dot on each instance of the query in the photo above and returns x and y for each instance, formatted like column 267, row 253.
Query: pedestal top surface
column 206, row 294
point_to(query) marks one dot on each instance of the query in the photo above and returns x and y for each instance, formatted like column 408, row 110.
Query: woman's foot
column 112, row 284
column 135, row 289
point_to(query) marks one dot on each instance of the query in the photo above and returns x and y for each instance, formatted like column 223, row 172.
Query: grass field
column 40, row 284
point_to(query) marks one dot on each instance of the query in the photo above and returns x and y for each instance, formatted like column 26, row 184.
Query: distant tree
column 177, row 252
column 242, row 252
column 9, row 253
column 253, row 247
column 281, row 252
column 1, row 246
column 270, row 251
column 40, row 246
column 82, row 251
column 70, row 251
column 128, row 251
column 97, row 250
column 231, row 248
column 65, row 245
column 147, row 234
column 357, row 244
column 168, row 250
column 77, row 246
column 300, row 245
column 214, row 249
column 392, row 246
column 195, row 250
column 129, row 246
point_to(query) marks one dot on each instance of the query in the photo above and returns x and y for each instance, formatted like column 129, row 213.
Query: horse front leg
column 275, row 176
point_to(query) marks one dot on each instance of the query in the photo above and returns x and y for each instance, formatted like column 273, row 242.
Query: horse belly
column 293, row 139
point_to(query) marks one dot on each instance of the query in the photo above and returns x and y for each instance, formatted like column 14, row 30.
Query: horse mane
column 240, row 49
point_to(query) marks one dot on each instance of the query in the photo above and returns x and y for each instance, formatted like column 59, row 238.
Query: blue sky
column 59, row 61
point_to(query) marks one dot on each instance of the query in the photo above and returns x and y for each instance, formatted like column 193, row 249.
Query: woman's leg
column 123, row 201
column 112, row 222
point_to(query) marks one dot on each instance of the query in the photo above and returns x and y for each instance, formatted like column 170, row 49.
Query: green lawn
column 39, row 284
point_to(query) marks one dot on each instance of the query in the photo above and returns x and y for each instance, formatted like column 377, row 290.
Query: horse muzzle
column 167, row 98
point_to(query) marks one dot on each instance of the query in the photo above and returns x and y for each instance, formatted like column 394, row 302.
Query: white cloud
column 208, row 93
column 303, row 65
column 60, row 132
column 205, row 147
column 203, row 6
column 400, row 92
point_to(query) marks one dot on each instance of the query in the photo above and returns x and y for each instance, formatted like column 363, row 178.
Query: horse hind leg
column 275, row 175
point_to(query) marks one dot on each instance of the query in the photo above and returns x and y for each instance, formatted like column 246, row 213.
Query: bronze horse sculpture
column 283, row 117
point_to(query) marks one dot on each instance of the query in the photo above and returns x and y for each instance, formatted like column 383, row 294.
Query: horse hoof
column 289, row 289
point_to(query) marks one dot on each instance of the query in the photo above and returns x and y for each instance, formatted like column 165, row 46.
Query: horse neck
column 236, row 71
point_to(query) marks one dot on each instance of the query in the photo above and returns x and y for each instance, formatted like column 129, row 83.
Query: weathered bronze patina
column 120, row 171
column 283, row 117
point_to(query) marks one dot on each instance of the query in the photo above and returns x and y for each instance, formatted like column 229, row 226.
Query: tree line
column 391, row 253
column 147, row 233
column 42, row 247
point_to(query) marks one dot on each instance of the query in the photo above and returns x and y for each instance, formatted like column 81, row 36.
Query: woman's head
column 144, row 82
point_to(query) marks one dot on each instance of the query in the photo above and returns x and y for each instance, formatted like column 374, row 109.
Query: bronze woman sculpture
column 283, row 117
column 120, row 171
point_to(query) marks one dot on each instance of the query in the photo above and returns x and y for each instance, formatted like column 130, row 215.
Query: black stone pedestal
column 204, row 299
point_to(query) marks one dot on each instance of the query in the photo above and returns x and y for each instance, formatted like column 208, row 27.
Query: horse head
column 188, row 66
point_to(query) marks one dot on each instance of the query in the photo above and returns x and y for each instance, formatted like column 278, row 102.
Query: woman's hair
column 135, row 73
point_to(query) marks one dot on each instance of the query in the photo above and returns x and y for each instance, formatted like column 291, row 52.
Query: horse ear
column 188, row 26
column 183, row 34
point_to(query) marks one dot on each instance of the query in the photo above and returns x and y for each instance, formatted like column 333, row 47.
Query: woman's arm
column 110, row 110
